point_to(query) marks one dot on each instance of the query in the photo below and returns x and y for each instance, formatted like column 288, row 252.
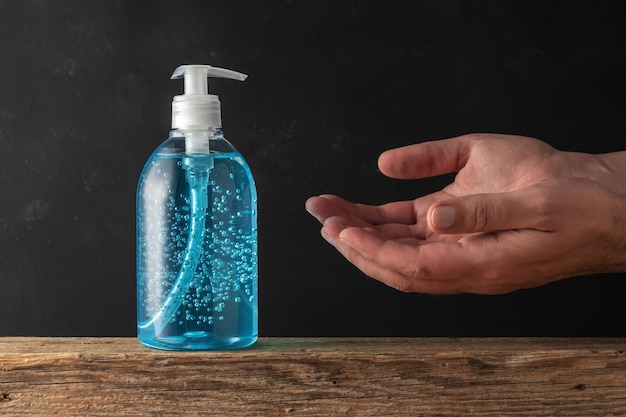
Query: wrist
column 608, row 170
column 607, row 236
column 615, row 171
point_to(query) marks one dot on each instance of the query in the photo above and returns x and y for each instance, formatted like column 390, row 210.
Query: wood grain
column 321, row 377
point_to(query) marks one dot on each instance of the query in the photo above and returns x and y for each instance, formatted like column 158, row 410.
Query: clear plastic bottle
column 197, row 253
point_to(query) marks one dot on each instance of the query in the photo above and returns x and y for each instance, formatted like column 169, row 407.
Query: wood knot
column 5, row 396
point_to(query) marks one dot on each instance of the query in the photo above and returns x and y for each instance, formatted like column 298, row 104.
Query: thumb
column 484, row 213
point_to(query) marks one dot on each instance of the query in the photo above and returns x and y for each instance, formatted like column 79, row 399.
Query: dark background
column 85, row 98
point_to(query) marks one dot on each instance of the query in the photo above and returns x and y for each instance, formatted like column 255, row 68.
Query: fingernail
column 314, row 214
column 442, row 217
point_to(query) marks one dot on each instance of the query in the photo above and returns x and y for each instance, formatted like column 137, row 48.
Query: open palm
column 517, row 215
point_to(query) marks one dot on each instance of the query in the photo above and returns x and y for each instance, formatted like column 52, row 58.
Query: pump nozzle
column 197, row 109
column 196, row 77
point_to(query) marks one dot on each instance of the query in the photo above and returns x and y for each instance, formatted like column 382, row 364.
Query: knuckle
column 403, row 285
column 413, row 274
column 406, row 278
column 485, row 215
column 414, row 271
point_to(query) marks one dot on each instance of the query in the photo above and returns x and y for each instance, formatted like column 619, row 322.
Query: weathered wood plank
column 325, row 377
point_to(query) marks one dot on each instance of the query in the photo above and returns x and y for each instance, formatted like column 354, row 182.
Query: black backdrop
column 85, row 98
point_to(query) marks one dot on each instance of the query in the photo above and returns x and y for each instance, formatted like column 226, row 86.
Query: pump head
column 197, row 109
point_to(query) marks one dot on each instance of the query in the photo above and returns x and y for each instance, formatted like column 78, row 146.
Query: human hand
column 519, row 214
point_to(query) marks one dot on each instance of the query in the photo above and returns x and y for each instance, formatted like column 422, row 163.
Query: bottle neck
column 197, row 141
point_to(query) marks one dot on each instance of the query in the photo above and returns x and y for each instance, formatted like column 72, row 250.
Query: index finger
column 426, row 159
column 328, row 205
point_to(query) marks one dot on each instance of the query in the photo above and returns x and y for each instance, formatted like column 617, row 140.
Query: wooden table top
column 316, row 377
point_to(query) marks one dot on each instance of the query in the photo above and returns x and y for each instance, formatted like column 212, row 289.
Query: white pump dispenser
column 197, row 112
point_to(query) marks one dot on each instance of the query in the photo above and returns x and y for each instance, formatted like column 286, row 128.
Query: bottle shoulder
column 176, row 145
column 171, row 156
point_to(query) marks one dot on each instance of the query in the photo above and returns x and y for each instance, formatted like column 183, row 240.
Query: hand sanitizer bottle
column 197, row 230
